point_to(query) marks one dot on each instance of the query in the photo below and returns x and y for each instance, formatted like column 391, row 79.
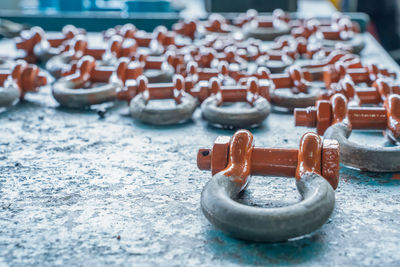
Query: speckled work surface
column 77, row 189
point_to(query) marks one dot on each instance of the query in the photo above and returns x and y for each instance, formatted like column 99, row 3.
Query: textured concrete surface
column 78, row 189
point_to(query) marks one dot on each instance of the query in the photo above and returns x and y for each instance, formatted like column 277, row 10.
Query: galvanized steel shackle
column 71, row 90
column 184, row 107
column 335, row 120
column 315, row 165
column 15, row 82
column 250, row 116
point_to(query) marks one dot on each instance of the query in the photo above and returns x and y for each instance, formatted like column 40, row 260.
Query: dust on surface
column 79, row 189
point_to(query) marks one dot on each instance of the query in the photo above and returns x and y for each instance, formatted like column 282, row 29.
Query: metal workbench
column 79, row 189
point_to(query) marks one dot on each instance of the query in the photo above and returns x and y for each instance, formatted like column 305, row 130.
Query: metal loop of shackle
column 368, row 158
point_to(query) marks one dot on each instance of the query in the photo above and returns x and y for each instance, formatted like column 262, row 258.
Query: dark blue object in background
column 48, row 4
column 71, row 5
column 148, row 6
column 111, row 5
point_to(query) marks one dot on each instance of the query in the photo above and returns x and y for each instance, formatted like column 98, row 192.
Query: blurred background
column 100, row 14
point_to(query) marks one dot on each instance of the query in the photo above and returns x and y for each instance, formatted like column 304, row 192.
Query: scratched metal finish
column 78, row 189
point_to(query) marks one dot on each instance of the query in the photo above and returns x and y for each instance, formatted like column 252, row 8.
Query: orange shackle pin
column 28, row 77
column 116, row 46
column 341, row 28
column 172, row 90
column 356, row 72
column 163, row 36
column 280, row 55
column 205, row 74
column 376, row 94
column 232, row 93
column 186, row 28
column 320, row 49
column 326, row 113
column 160, row 35
column 125, row 31
column 278, row 15
column 286, row 41
column 87, row 67
column 129, row 70
column 27, row 41
column 304, row 28
column 262, row 73
column 230, row 55
column 86, row 70
column 144, row 38
column 204, row 57
column 151, row 62
column 243, row 18
column 28, row 38
column 176, row 60
column 330, row 59
column 296, row 79
column 68, row 32
column 274, row 161
column 216, row 23
column 294, row 47
column 80, row 48
column 248, row 92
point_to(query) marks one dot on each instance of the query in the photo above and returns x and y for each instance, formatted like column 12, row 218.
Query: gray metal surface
column 78, row 189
